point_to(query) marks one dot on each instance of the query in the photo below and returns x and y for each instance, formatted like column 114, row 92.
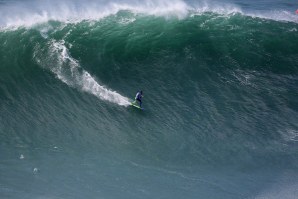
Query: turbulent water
column 220, row 83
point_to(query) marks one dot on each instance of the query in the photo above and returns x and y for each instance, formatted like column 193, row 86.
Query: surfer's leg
column 140, row 102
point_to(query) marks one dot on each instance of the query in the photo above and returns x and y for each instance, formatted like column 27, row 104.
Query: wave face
column 220, row 84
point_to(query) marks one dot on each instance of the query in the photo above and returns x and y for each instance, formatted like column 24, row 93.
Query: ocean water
column 220, row 83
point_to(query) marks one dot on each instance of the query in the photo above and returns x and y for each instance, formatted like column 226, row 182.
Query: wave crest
column 26, row 14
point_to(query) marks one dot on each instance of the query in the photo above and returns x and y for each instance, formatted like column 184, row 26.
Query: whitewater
column 220, row 85
column 67, row 69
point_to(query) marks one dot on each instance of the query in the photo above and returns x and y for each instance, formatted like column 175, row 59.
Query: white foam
column 290, row 135
column 126, row 21
column 230, row 9
column 68, row 70
column 219, row 8
column 35, row 170
column 276, row 15
column 33, row 12
column 28, row 13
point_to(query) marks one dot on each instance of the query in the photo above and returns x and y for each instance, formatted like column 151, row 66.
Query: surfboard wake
column 67, row 69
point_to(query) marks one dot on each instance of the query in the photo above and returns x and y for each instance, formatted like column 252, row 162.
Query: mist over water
column 220, row 96
column 28, row 13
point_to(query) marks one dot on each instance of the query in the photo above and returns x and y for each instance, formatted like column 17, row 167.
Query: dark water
column 220, row 96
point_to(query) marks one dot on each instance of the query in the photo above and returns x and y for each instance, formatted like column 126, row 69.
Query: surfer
column 139, row 97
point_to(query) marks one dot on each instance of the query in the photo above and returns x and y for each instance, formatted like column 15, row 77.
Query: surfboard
column 134, row 105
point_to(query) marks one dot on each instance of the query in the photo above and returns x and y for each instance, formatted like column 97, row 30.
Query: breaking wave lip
column 230, row 9
column 68, row 70
column 29, row 13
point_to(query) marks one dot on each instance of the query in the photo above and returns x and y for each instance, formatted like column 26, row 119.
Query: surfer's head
column 141, row 92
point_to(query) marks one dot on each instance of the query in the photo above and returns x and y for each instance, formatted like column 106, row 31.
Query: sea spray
column 20, row 14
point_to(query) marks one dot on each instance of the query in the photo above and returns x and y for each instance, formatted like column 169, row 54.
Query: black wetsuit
column 139, row 98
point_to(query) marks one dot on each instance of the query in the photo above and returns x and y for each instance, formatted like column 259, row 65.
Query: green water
column 220, row 99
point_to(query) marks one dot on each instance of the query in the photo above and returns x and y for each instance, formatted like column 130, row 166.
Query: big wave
column 26, row 14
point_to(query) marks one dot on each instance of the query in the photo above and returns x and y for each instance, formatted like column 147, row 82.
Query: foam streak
column 68, row 70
